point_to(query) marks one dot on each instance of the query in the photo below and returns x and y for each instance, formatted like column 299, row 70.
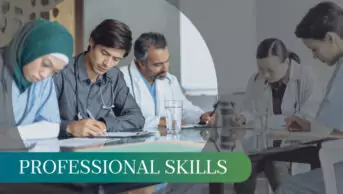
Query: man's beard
column 160, row 76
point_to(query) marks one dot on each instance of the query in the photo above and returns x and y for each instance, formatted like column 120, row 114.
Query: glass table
column 237, row 140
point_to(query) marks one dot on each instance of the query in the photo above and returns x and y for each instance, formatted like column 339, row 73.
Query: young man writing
column 92, row 94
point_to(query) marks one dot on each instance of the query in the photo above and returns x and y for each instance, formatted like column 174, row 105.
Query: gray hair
column 146, row 40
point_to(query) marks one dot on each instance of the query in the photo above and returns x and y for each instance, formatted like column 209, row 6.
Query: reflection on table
column 249, row 140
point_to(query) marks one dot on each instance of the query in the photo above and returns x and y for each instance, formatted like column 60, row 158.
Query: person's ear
column 139, row 64
column 330, row 37
column 91, row 43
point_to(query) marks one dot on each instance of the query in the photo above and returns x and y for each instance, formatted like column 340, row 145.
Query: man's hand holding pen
column 86, row 128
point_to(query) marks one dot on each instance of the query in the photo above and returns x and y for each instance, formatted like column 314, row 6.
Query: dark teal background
column 239, row 167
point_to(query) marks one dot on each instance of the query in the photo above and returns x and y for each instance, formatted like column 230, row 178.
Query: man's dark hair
column 144, row 41
column 275, row 47
column 320, row 19
column 113, row 34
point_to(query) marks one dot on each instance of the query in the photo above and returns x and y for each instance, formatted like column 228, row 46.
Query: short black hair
column 275, row 47
column 144, row 41
column 113, row 34
column 320, row 19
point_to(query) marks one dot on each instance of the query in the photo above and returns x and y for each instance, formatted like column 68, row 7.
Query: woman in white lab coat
column 282, row 87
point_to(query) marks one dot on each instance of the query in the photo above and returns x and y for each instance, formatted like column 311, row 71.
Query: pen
column 92, row 117
column 90, row 114
column 214, row 108
column 213, row 112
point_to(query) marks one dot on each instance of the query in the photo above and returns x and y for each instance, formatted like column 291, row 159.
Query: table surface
column 189, row 140
column 246, row 140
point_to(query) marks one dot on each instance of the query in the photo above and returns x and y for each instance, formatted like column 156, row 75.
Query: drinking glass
column 174, row 115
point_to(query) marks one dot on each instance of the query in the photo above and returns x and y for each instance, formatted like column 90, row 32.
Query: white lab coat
column 303, row 90
column 166, row 89
column 302, row 96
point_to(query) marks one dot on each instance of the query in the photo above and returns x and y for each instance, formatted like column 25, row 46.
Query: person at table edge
column 283, row 86
column 321, row 30
column 92, row 94
column 151, row 84
column 37, row 51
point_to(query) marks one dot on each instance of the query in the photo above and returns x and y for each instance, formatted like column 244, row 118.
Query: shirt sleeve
column 191, row 113
column 312, row 94
column 58, row 82
column 127, row 114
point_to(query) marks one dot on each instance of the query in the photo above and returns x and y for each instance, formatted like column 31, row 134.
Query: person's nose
column 266, row 75
column 43, row 74
column 166, row 67
column 107, row 62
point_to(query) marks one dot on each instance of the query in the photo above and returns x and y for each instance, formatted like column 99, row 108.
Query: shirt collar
column 145, row 80
column 83, row 74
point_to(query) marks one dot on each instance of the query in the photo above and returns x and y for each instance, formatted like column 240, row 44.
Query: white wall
column 191, row 60
column 231, row 29
column 198, row 74
column 141, row 16
column 278, row 18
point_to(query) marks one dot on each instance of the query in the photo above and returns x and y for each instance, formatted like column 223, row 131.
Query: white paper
column 276, row 122
column 126, row 134
column 80, row 142
column 46, row 145
column 40, row 130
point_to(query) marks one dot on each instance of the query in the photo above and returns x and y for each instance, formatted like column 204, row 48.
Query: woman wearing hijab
column 37, row 51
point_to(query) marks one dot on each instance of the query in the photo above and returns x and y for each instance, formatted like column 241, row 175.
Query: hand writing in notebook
column 295, row 123
column 86, row 128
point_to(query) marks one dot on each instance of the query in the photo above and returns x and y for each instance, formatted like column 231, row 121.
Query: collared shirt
column 107, row 100
column 330, row 111
column 152, row 91
column 278, row 91
column 35, row 104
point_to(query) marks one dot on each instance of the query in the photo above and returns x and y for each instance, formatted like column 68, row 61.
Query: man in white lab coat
column 321, row 30
column 150, row 83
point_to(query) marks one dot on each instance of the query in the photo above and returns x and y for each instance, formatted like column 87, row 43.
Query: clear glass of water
column 261, row 114
column 174, row 115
